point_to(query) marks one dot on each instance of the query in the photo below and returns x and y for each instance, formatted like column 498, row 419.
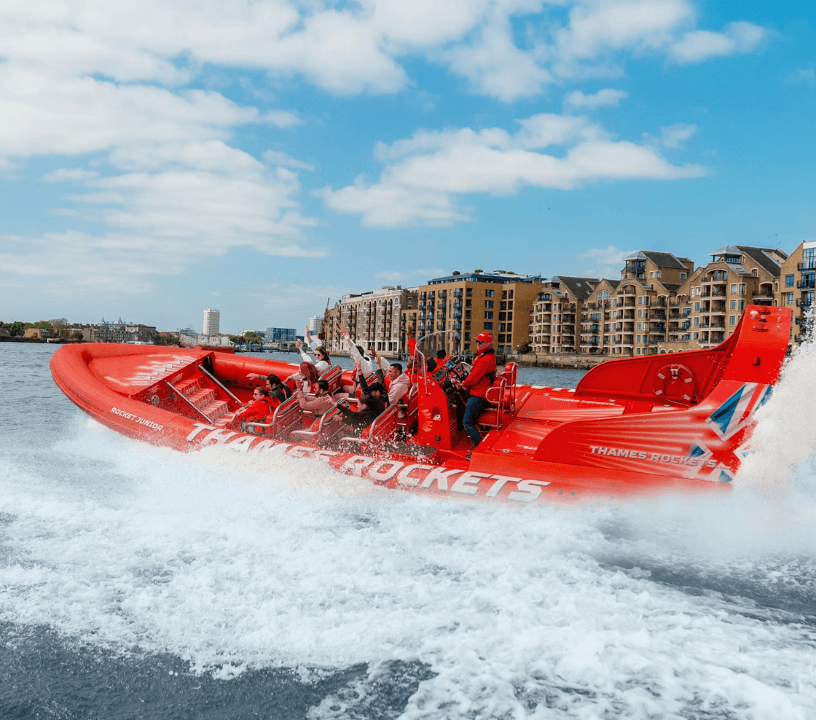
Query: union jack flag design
column 728, row 421
column 738, row 409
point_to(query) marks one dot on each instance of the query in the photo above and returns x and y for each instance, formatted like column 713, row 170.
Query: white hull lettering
column 406, row 478
column 528, row 490
column 501, row 481
column 199, row 428
column 441, row 476
column 468, row 483
column 383, row 470
column 219, row 437
column 135, row 418
column 242, row 444
column 356, row 464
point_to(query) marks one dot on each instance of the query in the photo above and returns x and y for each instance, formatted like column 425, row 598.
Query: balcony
column 805, row 302
column 807, row 265
column 807, row 284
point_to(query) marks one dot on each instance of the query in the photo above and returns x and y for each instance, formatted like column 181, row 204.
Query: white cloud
column 699, row 45
column 674, row 136
column 103, row 87
column 607, row 96
column 597, row 27
column 604, row 262
column 275, row 157
column 495, row 66
column 411, row 276
column 427, row 172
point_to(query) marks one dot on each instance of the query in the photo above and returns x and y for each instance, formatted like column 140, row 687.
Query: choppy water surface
column 139, row 582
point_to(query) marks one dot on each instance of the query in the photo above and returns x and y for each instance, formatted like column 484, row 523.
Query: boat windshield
column 447, row 340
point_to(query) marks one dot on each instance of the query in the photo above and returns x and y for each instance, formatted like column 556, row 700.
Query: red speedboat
column 632, row 426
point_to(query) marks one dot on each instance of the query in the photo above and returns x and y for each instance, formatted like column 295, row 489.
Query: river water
column 137, row 582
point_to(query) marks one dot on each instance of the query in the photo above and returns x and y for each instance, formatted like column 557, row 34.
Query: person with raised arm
column 397, row 383
column 321, row 359
column 356, row 353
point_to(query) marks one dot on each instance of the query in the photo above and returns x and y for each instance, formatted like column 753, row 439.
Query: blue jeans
column 475, row 407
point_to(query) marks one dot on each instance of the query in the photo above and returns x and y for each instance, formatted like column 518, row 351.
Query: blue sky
column 158, row 157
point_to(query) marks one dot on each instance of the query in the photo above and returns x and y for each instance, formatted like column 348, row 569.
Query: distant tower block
column 211, row 322
column 315, row 324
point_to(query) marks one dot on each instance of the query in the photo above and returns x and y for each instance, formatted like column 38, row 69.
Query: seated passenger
column 321, row 361
column 255, row 411
column 305, row 378
column 433, row 363
column 369, row 409
column 319, row 403
column 398, row 383
column 278, row 392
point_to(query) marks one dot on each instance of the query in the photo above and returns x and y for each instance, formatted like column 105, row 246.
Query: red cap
column 484, row 337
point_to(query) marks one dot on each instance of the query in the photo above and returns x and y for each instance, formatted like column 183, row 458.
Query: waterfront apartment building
column 467, row 304
column 796, row 285
column 212, row 320
column 557, row 314
column 372, row 319
column 119, row 332
column 645, row 305
column 717, row 294
column 596, row 318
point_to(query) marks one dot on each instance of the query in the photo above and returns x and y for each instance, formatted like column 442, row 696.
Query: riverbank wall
column 561, row 361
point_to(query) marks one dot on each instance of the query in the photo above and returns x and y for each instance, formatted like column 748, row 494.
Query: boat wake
column 227, row 567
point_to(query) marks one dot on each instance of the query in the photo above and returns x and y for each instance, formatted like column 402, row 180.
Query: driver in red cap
column 481, row 377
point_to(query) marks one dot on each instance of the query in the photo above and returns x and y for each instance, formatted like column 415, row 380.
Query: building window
column 502, row 316
column 488, row 326
column 469, row 292
column 657, row 274
column 732, row 319
column 640, row 300
column 651, row 274
column 733, row 288
column 638, row 339
column 696, row 322
column 682, row 276
column 488, row 314
column 788, row 280
column 733, row 304
column 697, row 307
column 488, row 303
column 790, row 298
column 502, row 306
column 742, row 288
column 490, row 293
